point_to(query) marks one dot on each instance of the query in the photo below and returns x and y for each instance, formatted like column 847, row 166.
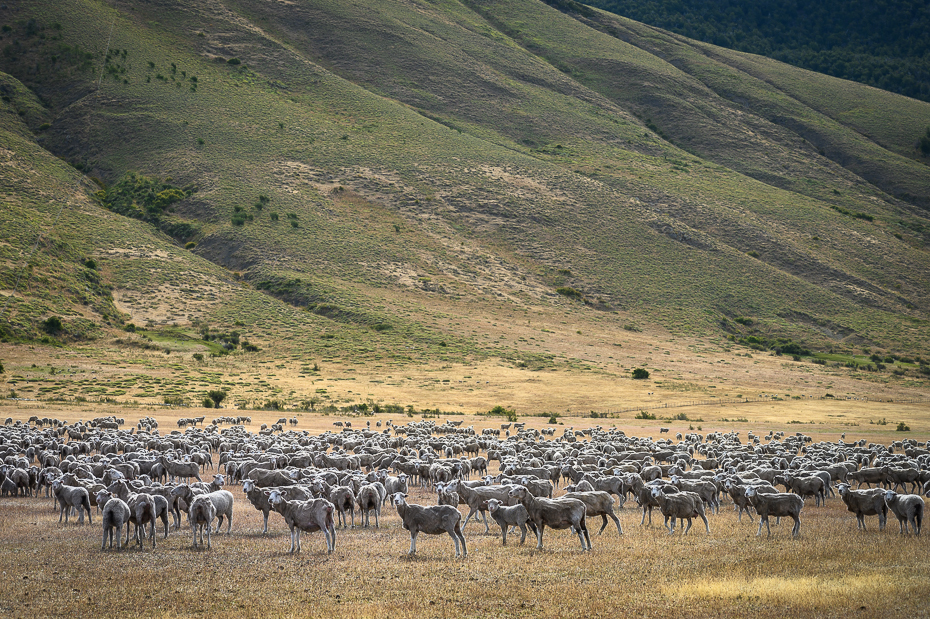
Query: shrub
column 207, row 403
column 91, row 264
column 903, row 427
column 52, row 325
column 274, row 217
column 2, row 371
column 553, row 418
column 234, row 61
column 499, row 410
column 294, row 224
column 190, row 245
column 640, row 373
column 198, row 356
column 571, row 293
column 644, row 415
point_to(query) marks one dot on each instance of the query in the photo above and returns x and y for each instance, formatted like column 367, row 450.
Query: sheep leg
column 685, row 532
column 616, row 521
column 762, row 520
column 583, row 534
column 105, row 531
column 461, row 536
column 228, row 522
column 455, row 540
column 413, row 542
column 209, row 541
column 603, row 526
column 539, row 535
column 487, row 529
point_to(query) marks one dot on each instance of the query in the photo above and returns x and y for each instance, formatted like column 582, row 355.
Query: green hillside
column 877, row 43
column 378, row 168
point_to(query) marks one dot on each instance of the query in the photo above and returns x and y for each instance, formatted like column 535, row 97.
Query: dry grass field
column 831, row 570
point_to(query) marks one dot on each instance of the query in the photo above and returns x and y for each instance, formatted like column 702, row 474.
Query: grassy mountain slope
column 420, row 161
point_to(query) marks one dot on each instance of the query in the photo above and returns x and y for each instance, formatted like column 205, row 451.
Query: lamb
column 221, row 499
column 446, row 496
column 71, row 496
column 432, row 520
column 684, row 504
column 200, row 515
column 115, row 515
column 369, row 498
column 558, row 513
column 908, row 508
column 258, row 498
column 597, row 503
column 513, row 516
column 865, row 503
column 778, row 505
column 311, row 515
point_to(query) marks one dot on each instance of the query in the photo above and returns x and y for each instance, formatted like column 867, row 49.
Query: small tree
column 640, row 373
column 217, row 396
column 52, row 325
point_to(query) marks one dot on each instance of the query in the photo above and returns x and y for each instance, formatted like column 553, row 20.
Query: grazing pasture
column 830, row 570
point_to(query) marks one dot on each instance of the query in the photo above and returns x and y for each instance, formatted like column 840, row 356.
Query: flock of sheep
column 138, row 477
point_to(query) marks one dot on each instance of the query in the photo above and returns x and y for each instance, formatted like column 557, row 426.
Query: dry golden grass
column 830, row 570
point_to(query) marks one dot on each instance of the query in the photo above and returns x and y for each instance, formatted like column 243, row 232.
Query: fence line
column 723, row 401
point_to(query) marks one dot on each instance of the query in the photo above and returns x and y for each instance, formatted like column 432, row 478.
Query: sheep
column 180, row 469
column 558, row 513
column 71, row 496
column 259, row 500
column 778, row 504
column 369, row 498
column 142, row 511
column 597, row 503
column 475, row 497
column 737, row 492
column 221, row 499
column 311, row 515
column 432, row 520
column 804, row 486
column 115, row 515
column 393, row 485
column 684, row 504
column 513, row 516
column 865, row 503
column 446, row 496
column 539, row 487
column 165, row 503
column 200, row 515
column 707, row 490
column 907, row 508
column 343, row 498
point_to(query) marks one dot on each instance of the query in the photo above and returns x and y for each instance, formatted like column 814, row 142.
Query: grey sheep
column 200, row 515
column 71, row 496
column 312, row 515
column 864, row 503
column 907, row 508
column 369, row 499
column 259, row 499
column 685, row 505
column 779, row 504
column 512, row 516
column 432, row 520
column 597, row 503
column 115, row 515
column 558, row 513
